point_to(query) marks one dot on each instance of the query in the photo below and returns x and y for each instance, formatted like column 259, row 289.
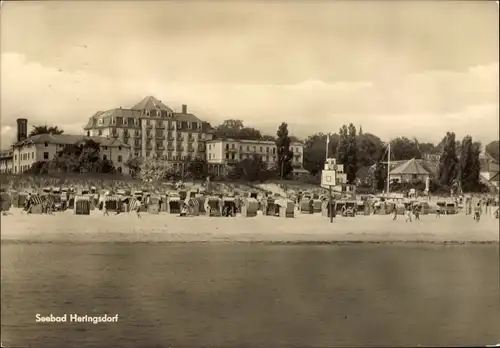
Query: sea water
column 253, row 295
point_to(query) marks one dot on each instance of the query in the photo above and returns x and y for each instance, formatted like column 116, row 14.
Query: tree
column 235, row 129
column 347, row 151
column 369, row 149
column 493, row 149
column 352, row 152
column 134, row 165
column 45, row 130
column 249, row 169
column 284, row 164
column 89, row 156
column 470, row 166
column 155, row 169
column 403, row 148
column 448, row 163
column 315, row 151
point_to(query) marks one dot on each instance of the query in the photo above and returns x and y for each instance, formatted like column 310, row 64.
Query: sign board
column 328, row 178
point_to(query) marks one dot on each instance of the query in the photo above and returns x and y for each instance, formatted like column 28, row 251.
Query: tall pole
column 330, row 207
column 327, row 143
column 388, row 168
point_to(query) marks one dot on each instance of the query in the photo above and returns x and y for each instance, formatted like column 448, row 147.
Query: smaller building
column 222, row 154
column 44, row 147
column 6, row 161
column 409, row 172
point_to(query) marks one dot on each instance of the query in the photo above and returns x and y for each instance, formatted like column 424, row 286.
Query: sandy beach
column 67, row 227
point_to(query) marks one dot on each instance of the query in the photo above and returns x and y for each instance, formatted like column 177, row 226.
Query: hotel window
column 119, row 158
column 45, row 155
column 227, row 146
column 233, row 146
column 189, row 125
column 104, row 157
column 100, row 132
column 113, row 120
column 46, row 144
column 15, row 157
column 199, row 125
column 119, row 148
column 148, row 153
column 260, row 149
column 267, row 149
column 209, row 147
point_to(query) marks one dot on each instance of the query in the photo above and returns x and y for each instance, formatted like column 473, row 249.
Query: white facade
column 227, row 152
column 6, row 162
column 44, row 147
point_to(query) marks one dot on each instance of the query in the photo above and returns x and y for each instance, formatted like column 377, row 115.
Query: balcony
column 161, row 147
column 160, row 136
column 160, row 126
column 149, row 147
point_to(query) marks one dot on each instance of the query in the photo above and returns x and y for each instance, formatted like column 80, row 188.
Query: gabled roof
column 151, row 103
column 410, row 167
column 69, row 139
column 495, row 177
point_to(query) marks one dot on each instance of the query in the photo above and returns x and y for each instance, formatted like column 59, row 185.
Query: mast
column 388, row 167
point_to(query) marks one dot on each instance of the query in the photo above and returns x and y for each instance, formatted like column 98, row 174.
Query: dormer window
column 100, row 122
column 113, row 120
column 189, row 125
column 199, row 125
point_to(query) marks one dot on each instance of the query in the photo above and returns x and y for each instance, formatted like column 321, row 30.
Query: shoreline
column 67, row 228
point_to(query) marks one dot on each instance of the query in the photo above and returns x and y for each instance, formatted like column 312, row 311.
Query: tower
column 22, row 129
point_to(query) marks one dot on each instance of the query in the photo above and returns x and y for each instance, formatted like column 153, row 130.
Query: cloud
column 425, row 105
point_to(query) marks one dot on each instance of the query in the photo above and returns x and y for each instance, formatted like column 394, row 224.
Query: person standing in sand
column 395, row 213
column 105, row 206
column 408, row 214
column 438, row 212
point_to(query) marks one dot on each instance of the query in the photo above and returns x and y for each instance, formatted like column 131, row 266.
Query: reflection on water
column 255, row 295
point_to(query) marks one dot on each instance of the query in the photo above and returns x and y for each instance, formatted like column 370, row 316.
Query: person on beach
column 395, row 213
column 27, row 204
column 477, row 212
column 438, row 211
column 105, row 207
column 137, row 208
column 408, row 214
column 416, row 211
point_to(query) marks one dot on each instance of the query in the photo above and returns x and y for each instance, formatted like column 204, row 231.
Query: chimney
column 184, row 108
column 22, row 129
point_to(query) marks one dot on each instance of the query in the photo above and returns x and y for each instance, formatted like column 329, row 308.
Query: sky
column 407, row 68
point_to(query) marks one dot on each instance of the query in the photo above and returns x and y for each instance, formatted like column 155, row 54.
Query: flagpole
column 327, row 143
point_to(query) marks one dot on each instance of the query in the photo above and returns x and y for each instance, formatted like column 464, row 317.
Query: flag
column 327, row 143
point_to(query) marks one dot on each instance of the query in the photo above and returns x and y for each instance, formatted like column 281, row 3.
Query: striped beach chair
column 134, row 203
column 82, row 205
column 193, row 205
column 113, row 203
